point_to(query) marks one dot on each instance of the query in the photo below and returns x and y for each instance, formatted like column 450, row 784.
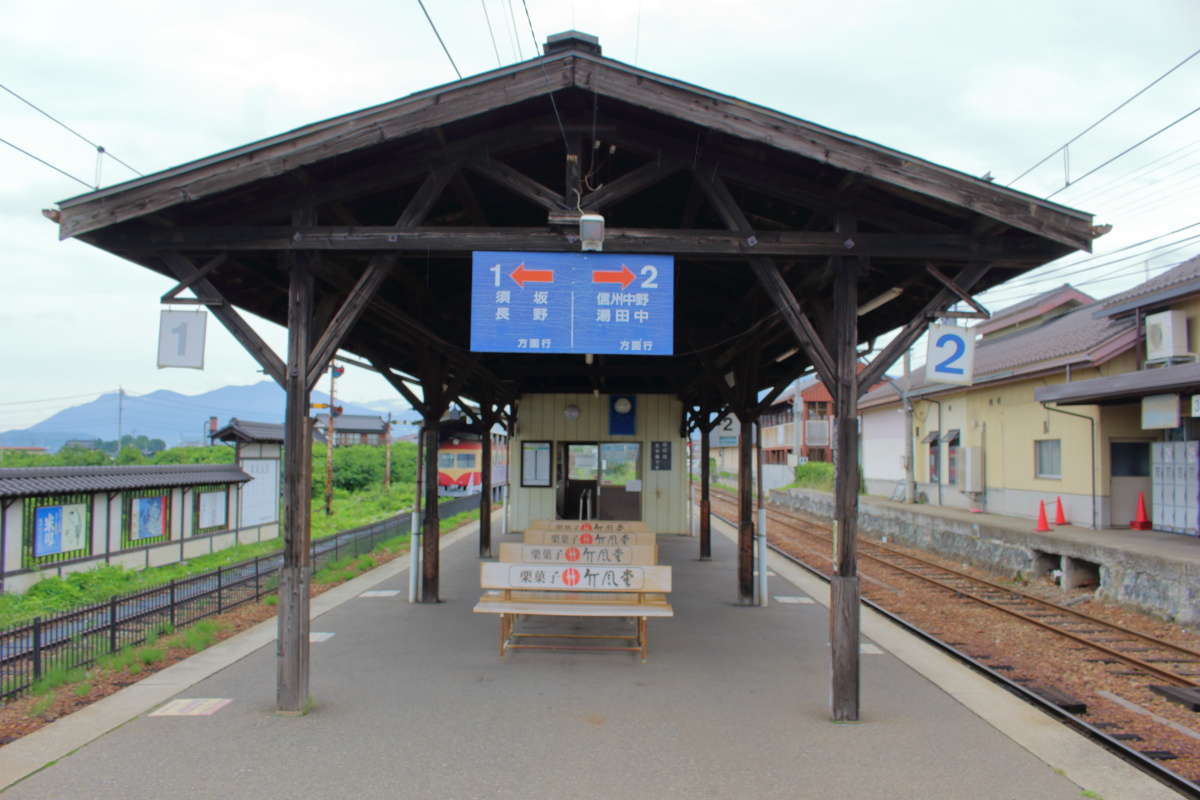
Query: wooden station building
column 794, row 246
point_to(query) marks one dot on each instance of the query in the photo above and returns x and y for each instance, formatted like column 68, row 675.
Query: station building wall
column 541, row 418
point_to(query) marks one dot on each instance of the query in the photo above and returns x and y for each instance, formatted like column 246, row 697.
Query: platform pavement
column 411, row 701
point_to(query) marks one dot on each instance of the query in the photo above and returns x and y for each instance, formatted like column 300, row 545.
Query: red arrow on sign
column 523, row 276
column 623, row 276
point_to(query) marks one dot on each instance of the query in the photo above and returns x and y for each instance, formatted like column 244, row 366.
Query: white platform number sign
column 181, row 339
column 951, row 355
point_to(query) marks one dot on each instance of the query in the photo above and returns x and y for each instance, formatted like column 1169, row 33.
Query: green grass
column 56, row 677
column 41, row 706
column 201, row 636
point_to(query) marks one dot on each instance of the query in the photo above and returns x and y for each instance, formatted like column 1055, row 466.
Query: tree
column 130, row 455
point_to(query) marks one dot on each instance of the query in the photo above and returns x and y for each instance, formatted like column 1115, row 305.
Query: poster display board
column 59, row 529
column 148, row 517
column 535, row 463
column 212, row 510
column 260, row 496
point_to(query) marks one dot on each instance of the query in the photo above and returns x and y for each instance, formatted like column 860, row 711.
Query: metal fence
column 78, row 638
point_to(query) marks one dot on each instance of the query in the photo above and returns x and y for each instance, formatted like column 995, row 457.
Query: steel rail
column 1165, row 674
column 1147, row 765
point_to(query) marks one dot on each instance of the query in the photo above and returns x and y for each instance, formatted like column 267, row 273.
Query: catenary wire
column 491, row 32
column 1077, row 136
column 47, row 115
column 1124, row 152
column 445, row 49
column 46, row 163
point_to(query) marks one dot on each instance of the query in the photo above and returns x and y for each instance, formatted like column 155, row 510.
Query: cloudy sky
column 967, row 85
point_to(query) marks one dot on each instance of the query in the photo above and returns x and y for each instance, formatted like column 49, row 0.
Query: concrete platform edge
column 62, row 737
column 1082, row 762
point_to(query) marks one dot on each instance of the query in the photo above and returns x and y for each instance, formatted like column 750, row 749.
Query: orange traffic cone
column 1140, row 521
column 1042, row 525
column 1059, row 517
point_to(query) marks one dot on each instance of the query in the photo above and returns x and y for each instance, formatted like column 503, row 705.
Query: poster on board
column 59, row 529
column 148, row 518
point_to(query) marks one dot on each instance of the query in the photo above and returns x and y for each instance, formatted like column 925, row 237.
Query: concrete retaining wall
column 1165, row 588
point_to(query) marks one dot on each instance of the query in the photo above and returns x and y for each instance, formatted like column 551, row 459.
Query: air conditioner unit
column 1166, row 335
column 972, row 469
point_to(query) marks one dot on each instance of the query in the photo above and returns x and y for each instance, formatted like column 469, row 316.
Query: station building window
column 951, row 440
column 1047, row 458
column 935, row 456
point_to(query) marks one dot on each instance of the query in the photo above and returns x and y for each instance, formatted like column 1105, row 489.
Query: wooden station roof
column 482, row 164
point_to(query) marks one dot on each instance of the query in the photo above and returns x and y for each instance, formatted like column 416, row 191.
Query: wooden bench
column 565, row 590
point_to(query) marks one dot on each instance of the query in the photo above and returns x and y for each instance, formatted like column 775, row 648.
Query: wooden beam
column 442, row 239
column 769, row 276
column 312, row 144
column 173, row 295
column 399, row 385
column 346, row 317
column 741, row 120
column 292, row 659
column 246, row 336
column 968, row 277
column 427, row 195
column 844, row 597
column 517, row 182
column 631, row 183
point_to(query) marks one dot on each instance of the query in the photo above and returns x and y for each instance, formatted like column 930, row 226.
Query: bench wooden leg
column 505, row 628
column 642, row 636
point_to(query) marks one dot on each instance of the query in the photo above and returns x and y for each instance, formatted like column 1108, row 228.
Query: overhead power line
column 57, row 121
column 445, row 49
column 491, row 32
column 47, row 163
column 1077, row 136
column 1125, row 152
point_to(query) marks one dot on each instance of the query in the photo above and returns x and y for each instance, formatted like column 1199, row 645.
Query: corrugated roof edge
column 31, row 481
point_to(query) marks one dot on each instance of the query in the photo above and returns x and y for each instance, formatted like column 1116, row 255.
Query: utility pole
column 333, row 370
column 387, row 453
column 120, row 414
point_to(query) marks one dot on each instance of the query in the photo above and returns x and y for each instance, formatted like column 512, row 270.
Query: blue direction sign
column 604, row 303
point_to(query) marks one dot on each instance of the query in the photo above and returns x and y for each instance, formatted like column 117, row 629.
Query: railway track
column 1128, row 662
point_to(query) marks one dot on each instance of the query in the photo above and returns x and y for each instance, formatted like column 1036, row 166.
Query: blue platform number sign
column 951, row 355
column 543, row 303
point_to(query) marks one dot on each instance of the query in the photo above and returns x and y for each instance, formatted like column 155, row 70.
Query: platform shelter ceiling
column 482, row 164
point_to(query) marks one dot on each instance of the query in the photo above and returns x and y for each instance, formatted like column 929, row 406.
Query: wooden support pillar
column 844, row 589
column 432, row 531
column 292, row 643
column 745, row 511
column 705, row 502
column 485, row 489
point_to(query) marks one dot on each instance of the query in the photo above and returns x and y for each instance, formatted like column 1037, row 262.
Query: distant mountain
column 167, row 415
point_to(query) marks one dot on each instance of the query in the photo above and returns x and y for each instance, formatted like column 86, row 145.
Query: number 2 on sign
column 951, row 357
column 959, row 346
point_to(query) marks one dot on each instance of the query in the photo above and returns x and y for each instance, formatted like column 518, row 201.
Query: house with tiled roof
column 994, row 445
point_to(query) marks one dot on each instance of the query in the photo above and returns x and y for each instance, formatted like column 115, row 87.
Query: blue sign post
column 603, row 303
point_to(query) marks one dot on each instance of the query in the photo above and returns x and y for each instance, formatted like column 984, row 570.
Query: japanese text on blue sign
column 604, row 303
